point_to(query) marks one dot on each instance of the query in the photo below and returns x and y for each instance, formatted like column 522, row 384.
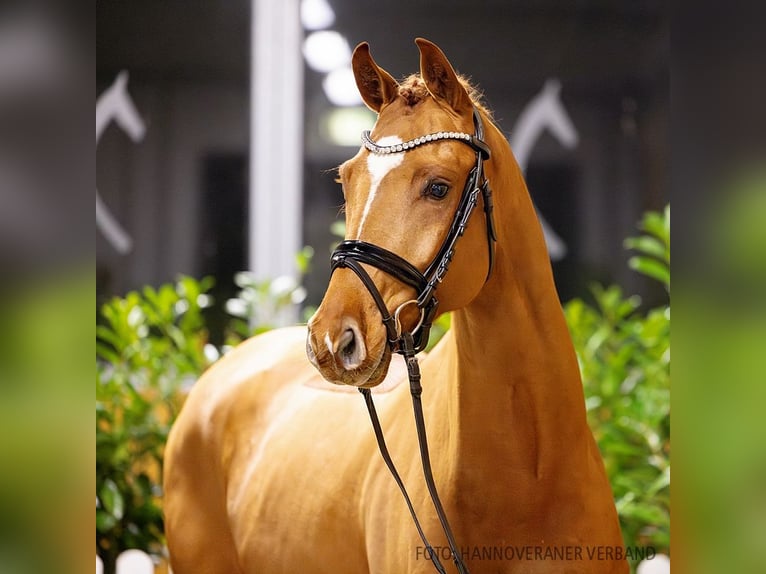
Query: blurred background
column 246, row 106
column 218, row 128
column 217, row 123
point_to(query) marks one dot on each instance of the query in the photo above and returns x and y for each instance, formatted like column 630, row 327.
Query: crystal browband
column 380, row 149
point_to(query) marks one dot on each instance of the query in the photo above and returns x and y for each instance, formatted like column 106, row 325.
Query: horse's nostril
column 351, row 349
column 347, row 343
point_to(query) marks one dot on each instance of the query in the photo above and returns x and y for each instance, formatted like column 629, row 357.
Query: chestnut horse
column 269, row 469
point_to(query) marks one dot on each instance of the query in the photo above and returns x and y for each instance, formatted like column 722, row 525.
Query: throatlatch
column 352, row 254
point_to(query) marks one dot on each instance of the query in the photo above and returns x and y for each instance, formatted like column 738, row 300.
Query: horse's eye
column 437, row 190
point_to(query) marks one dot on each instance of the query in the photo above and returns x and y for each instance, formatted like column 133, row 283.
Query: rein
column 352, row 254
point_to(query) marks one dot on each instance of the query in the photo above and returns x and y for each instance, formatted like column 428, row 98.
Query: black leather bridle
column 352, row 254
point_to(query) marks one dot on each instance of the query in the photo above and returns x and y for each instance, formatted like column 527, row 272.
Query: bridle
column 352, row 254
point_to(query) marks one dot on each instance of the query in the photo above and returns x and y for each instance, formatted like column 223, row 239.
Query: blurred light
column 343, row 126
column 326, row 51
column 316, row 14
column 33, row 55
column 340, row 88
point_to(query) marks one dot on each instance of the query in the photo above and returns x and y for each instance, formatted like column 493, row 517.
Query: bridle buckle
column 398, row 323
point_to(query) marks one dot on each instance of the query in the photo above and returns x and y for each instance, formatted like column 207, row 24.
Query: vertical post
column 276, row 140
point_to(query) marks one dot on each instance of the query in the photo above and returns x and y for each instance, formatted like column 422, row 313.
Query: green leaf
column 106, row 353
column 109, row 336
column 188, row 288
column 648, row 245
column 112, row 500
column 656, row 224
column 303, row 259
column 646, row 513
column 104, row 521
column 662, row 481
column 651, row 267
column 338, row 228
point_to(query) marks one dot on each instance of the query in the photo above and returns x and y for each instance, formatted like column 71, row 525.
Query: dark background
column 182, row 192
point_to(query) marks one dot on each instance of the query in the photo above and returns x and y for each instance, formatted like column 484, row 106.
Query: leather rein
column 352, row 254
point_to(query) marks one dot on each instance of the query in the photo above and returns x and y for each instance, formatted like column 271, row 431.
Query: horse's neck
column 518, row 384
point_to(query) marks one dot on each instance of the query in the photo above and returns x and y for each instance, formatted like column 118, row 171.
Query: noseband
column 353, row 253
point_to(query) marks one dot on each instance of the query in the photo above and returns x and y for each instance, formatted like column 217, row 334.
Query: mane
column 413, row 90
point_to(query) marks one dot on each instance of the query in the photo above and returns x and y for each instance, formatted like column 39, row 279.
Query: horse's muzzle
column 343, row 355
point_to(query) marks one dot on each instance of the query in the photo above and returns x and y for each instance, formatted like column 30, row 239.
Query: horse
column 271, row 466
column 116, row 104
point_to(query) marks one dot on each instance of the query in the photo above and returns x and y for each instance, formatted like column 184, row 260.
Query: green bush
column 624, row 357
column 148, row 346
column 262, row 304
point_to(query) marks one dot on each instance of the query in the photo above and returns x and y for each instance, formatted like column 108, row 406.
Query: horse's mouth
column 369, row 374
column 365, row 377
column 377, row 372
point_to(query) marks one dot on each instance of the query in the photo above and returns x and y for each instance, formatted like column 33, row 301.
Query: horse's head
column 405, row 203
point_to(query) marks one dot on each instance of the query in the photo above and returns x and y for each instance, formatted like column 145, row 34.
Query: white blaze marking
column 379, row 165
column 328, row 342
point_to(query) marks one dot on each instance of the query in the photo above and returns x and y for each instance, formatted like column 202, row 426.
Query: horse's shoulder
column 277, row 349
column 243, row 379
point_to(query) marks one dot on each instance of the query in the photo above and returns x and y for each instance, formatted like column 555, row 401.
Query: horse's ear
column 440, row 78
column 376, row 86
